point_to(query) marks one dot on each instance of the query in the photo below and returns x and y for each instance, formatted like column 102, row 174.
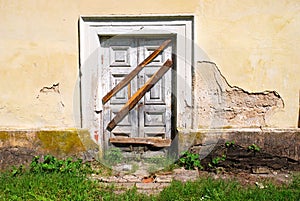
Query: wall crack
column 218, row 104
column 53, row 89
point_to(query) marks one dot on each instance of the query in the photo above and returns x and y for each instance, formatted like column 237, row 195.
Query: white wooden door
column 152, row 115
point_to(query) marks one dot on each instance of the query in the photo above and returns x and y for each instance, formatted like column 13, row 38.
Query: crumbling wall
column 219, row 105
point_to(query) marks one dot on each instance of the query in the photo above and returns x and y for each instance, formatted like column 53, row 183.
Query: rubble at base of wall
column 249, row 150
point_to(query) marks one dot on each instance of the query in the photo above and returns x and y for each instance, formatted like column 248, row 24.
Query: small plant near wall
column 218, row 159
column 190, row 161
column 254, row 148
column 18, row 170
column 50, row 163
column 229, row 144
column 215, row 161
column 113, row 156
column 160, row 163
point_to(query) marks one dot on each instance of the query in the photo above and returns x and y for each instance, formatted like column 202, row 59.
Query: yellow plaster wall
column 254, row 43
column 256, row 46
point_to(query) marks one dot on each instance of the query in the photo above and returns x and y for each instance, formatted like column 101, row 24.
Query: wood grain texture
column 156, row 142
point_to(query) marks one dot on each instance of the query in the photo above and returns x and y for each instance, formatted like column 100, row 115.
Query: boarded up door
column 152, row 115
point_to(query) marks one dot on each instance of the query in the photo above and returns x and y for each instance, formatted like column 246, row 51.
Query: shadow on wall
column 219, row 105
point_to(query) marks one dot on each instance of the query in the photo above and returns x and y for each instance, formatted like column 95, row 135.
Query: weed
column 218, row 189
column 215, row 161
column 26, row 184
column 18, row 170
column 62, row 186
column 218, row 159
column 160, row 161
column 190, row 161
column 135, row 167
column 113, row 156
column 157, row 163
column 152, row 169
column 99, row 168
column 170, row 167
column 52, row 164
column 254, row 148
column 50, row 186
column 229, row 144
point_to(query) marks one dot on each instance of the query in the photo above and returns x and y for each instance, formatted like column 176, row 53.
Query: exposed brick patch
column 15, row 156
column 241, row 159
column 218, row 104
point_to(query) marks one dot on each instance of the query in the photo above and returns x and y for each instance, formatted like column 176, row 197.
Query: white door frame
column 91, row 94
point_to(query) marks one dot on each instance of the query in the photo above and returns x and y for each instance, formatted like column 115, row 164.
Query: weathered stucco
column 220, row 105
column 254, row 43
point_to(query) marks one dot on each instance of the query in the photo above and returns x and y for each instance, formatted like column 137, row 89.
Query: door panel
column 156, row 95
column 119, row 58
column 122, row 96
column 155, row 121
column 152, row 115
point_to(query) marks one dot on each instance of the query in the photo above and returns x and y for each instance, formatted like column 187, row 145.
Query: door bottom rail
column 156, row 142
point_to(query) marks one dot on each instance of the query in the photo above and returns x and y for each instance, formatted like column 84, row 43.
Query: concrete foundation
column 19, row 147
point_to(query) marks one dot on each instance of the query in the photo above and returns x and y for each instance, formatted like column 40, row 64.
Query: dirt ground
column 246, row 178
column 155, row 182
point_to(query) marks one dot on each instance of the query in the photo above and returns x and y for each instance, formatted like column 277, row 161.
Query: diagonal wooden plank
column 139, row 94
column 133, row 73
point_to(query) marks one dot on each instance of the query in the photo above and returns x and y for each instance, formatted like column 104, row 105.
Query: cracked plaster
column 41, row 46
column 220, row 105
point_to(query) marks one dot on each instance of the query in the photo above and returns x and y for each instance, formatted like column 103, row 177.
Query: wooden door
column 152, row 115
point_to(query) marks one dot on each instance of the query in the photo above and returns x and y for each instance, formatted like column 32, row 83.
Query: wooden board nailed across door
column 150, row 120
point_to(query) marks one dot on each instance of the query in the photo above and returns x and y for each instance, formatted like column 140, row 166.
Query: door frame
column 90, row 27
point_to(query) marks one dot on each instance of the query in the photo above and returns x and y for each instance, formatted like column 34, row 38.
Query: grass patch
column 64, row 186
column 59, row 181
column 46, row 186
column 210, row 189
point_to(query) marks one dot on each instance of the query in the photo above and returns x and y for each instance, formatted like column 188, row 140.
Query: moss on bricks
column 4, row 136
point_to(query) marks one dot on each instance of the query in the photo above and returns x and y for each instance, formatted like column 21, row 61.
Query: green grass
column 209, row 189
column 64, row 186
column 54, row 184
column 46, row 186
